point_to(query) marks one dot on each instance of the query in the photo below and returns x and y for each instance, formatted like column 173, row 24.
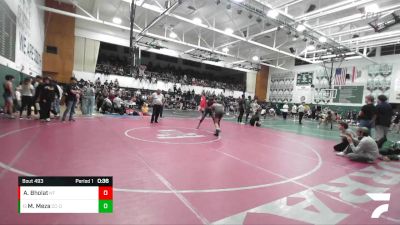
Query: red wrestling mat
column 171, row 173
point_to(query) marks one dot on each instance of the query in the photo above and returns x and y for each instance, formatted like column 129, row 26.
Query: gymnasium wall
column 369, row 78
column 85, row 54
column 58, row 60
column 22, row 25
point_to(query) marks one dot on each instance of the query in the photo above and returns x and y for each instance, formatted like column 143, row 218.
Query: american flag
column 340, row 76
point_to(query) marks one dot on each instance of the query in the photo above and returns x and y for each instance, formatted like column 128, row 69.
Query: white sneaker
column 340, row 154
column 48, row 120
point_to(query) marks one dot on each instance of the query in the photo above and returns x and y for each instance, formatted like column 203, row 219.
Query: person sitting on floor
column 145, row 109
column 366, row 149
column 106, row 106
column 255, row 119
column 345, row 131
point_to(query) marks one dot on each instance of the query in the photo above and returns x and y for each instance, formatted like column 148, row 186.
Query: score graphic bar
column 65, row 195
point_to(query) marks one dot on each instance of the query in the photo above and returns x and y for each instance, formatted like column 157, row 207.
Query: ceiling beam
column 184, row 19
column 354, row 18
column 82, row 9
column 154, row 22
column 343, row 5
column 77, row 16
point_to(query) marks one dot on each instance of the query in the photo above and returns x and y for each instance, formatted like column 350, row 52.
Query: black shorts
column 208, row 112
column 218, row 115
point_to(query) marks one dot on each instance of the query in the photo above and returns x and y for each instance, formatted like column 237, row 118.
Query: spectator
column 367, row 114
column 9, row 95
column 27, row 92
column 72, row 93
column 366, row 149
column 345, row 132
column 47, row 94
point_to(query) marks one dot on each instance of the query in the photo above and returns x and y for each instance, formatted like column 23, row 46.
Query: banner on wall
column 305, row 78
column 379, row 79
column 281, row 87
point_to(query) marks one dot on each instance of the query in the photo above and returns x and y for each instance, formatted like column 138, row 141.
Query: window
column 370, row 52
column 51, row 49
column 299, row 62
column 390, row 50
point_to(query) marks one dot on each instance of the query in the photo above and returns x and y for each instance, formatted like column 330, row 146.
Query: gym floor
column 171, row 173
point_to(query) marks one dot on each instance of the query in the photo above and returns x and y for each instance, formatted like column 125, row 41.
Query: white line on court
column 167, row 142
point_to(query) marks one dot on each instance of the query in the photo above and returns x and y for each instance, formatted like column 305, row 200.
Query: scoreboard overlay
column 65, row 194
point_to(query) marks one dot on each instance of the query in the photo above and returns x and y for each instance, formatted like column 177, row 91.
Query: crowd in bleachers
column 169, row 73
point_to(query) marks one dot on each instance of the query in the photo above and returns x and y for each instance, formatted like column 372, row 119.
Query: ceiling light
column 300, row 28
column 226, row 49
column 372, row 8
column 273, row 13
column 197, row 20
column 311, row 48
column 117, row 20
column 256, row 58
column 173, row 35
column 238, row 1
column 229, row 31
column 322, row 39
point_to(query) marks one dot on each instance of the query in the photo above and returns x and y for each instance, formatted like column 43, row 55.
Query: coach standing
column 157, row 101
column 383, row 118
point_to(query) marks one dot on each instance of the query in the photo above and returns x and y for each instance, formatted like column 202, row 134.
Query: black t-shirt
column 71, row 96
column 383, row 114
column 241, row 104
column 367, row 112
column 48, row 92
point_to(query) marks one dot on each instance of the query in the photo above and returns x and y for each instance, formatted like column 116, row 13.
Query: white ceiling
column 336, row 19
